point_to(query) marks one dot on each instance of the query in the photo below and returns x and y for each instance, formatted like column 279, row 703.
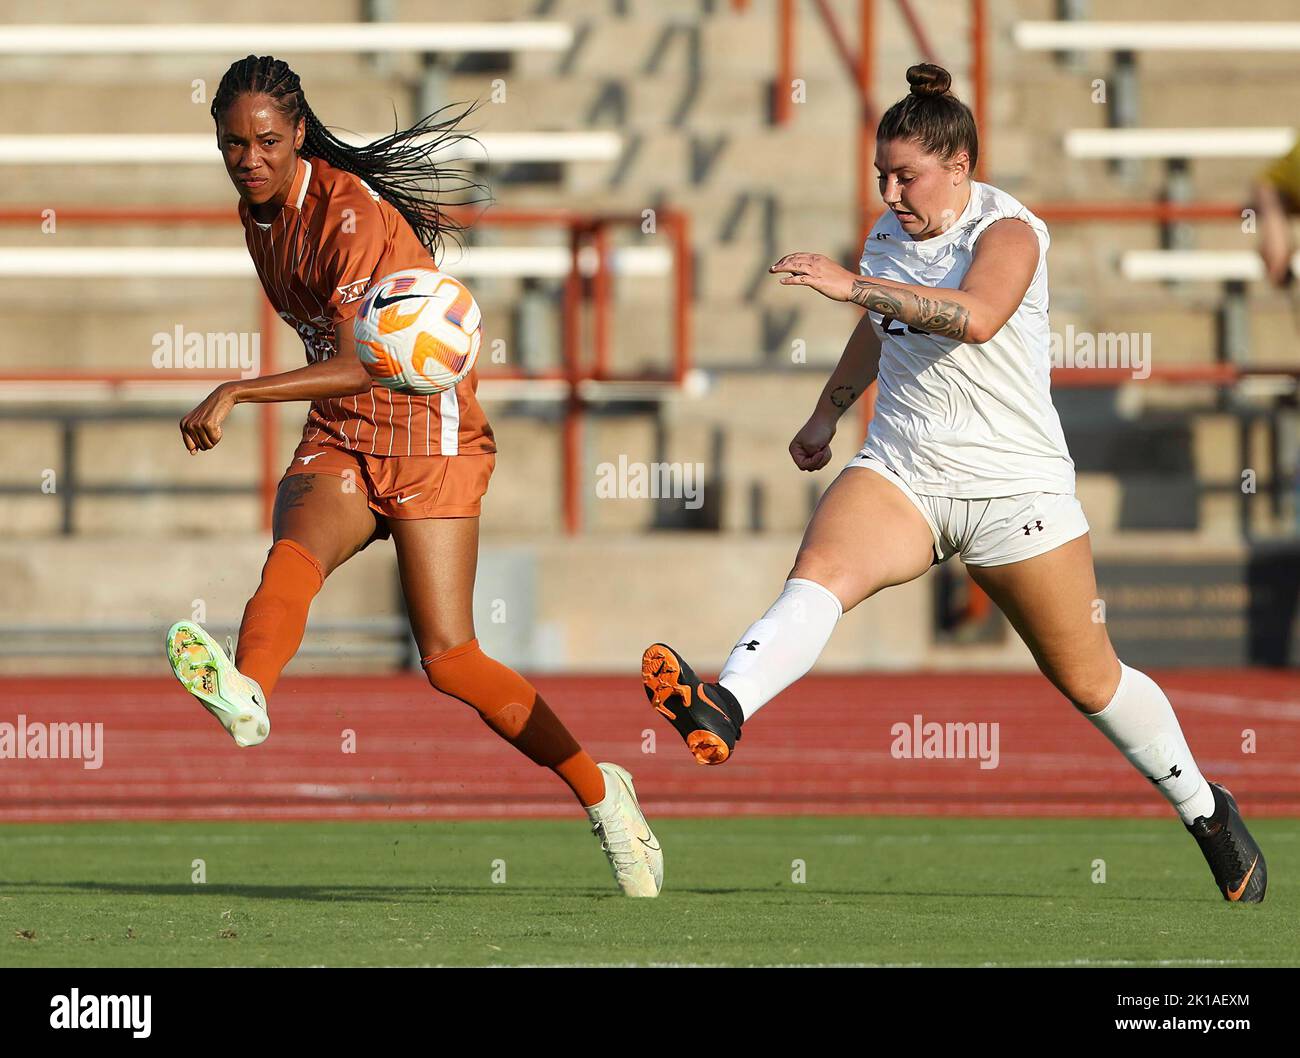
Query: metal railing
column 586, row 351
column 860, row 68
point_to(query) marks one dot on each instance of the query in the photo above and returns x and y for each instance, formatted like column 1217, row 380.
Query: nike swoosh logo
column 708, row 701
column 631, row 796
column 1235, row 894
column 403, row 499
column 382, row 302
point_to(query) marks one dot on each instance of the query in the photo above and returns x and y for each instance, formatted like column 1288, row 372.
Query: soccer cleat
column 698, row 710
column 626, row 837
column 207, row 673
column 1233, row 855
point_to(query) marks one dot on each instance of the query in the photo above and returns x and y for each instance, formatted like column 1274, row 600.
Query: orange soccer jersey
column 331, row 239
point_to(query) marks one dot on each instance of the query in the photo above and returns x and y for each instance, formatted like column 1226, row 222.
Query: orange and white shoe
column 207, row 673
column 625, row 836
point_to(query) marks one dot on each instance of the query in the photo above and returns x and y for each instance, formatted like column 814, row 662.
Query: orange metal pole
column 980, row 76
column 117, row 378
column 601, row 284
column 782, row 105
column 1164, row 212
column 918, row 32
column 866, row 153
column 867, row 118
column 572, row 440
column 1055, row 210
column 685, row 289
column 978, row 604
column 119, row 215
column 838, row 40
column 572, row 463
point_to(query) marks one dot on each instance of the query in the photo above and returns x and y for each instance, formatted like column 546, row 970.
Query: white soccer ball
column 418, row 331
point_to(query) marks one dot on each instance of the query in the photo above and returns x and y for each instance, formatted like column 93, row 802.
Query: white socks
column 781, row 645
column 1140, row 722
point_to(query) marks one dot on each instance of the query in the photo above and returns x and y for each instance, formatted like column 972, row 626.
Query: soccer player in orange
column 322, row 220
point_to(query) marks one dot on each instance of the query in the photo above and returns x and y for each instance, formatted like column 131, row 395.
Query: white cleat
column 626, row 837
column 207, row 673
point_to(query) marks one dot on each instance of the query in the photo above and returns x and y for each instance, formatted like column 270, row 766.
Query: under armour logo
column 1174, row 773
column 1032, row 525
column 751, row 645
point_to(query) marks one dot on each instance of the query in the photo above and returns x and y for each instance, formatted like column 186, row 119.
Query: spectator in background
column 1277, row 198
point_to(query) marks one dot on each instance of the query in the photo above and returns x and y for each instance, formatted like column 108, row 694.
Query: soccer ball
column 418, row 331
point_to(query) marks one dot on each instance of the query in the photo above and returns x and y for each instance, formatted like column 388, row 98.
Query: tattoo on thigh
column 291, row 492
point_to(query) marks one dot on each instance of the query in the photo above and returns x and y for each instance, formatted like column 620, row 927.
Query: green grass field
column 877, row 891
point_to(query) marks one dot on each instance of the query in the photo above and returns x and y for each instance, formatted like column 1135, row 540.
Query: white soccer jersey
column 956, row 419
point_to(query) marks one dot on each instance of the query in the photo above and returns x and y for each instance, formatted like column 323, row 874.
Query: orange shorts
column 404, row 486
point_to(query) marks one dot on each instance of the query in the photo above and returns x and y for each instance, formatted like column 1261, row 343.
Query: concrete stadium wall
column 592, row 604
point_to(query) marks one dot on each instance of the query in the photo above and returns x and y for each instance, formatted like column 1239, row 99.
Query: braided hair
column 397, row 167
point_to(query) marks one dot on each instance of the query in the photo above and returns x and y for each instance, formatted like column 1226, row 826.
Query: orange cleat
column 706, row 715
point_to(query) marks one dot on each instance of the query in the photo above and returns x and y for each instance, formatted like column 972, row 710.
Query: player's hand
column 201, row 428
column 811, row 447
column 817, row 271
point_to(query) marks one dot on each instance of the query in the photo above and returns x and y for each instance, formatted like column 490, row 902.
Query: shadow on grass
column 433, row 893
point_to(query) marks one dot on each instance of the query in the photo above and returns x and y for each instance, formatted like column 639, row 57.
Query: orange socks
column 511, row 707
column 272, row 630
column 276, row 616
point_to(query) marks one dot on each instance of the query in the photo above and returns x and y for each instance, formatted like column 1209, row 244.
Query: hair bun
column 927, row 79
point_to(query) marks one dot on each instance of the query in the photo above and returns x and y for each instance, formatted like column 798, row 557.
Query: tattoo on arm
column 843, row 396
column 934, row 315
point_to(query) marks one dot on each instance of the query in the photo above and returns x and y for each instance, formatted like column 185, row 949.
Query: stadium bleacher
column 619, row 109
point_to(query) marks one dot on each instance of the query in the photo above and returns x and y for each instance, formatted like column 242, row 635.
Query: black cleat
column 706, row 715
column 1233, row 855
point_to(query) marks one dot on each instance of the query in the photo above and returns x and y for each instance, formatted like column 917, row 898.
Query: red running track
column 823, row 747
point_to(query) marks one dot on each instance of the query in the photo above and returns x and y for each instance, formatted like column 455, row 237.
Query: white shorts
column 991, row 532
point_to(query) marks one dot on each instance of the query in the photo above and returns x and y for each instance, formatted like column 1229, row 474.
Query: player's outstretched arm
column 856, row 370
column 1006, row 257
column 341, row 375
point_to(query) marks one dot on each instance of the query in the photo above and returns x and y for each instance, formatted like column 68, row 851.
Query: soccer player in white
column 965, row 455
